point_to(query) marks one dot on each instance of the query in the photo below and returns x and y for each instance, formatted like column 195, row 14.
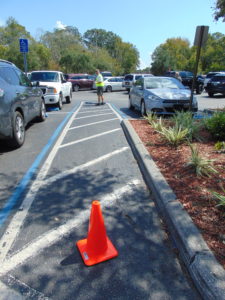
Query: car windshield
column 44, row 76
column 160, row 83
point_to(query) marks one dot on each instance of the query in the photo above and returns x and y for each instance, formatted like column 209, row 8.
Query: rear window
column 44, row 76
column 129, row 77
column 210, row 75
column 218, row 78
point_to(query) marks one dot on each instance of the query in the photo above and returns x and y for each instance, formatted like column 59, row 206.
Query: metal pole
column 25, row 62
column 196, row 66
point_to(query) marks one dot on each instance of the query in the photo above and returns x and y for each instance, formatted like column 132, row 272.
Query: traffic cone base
column 91, row 259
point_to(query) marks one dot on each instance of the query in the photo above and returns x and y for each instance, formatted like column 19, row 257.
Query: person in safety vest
column 99, row 85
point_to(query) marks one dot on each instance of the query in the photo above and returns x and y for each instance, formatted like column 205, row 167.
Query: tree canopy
column 219, row 10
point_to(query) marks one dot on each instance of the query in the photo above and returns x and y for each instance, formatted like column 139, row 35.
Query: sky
column 144, row 23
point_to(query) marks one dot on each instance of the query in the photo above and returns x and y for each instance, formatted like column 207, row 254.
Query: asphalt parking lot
column 91, row 160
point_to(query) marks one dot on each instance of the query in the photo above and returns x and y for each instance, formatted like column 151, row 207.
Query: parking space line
column 90, row 116
column 87, row 111
column 51, row 237
column 85, row 165
column 94, row 123
column 89, row 138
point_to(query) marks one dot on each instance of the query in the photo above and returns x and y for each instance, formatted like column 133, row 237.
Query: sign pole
column 200, row 40
column 25, row 62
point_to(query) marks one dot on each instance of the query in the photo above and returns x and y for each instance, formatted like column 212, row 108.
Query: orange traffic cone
column 97, row 247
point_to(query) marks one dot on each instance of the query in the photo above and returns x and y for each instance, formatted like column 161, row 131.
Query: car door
column 137, row 92
column 30, row 94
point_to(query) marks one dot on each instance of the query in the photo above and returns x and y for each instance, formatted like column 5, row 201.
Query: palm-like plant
column 174, row 135
column 201, row 165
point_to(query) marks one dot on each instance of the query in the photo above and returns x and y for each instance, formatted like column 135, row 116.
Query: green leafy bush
column 201, row 165
column 185, row 120
column 216, row 125
column 174, row 135
column 219, row 145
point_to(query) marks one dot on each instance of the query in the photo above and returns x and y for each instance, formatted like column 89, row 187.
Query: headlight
column 153, row 98
column 51, row 90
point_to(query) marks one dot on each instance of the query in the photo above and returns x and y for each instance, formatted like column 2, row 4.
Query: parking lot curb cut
column 207, row 274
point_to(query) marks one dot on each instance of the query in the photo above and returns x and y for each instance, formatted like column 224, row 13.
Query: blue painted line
column 5, row 212
column 119, row 111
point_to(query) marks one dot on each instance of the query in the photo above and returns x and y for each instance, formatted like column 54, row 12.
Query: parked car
column 130, row 79
column 106, row 74
column 20, row 102
column 187, row 80
column 54, row 86
column 216, row 85
column 80, row 81
column 112, row 84
column 209, row 76
column 160, row 95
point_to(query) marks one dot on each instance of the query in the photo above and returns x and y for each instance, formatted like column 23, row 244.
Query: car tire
column 42, row 115
column 76, row 88
column 210, row 94
column 143, row 108
column 18, row 128
column 108, row 89
column 60, row 103
column 68, row 98
column 131, row 107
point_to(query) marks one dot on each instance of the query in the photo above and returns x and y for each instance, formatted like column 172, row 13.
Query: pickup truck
column 54, row 86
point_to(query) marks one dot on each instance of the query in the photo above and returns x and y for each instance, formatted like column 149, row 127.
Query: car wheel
column 76, row 88
column 108, row 89
column 68, row 98
column 18, row 128
column 60, row 101
column 42, row 115
column 210, row 94
column 143, row 109
column 130, row 104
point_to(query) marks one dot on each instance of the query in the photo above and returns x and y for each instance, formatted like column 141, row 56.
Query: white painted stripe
column 118, row 115
column 111, row 113
column 89, row 138
column 18, row 219
column 94, row 123
column 51, row 237
column 93, row 110
column 81, row 167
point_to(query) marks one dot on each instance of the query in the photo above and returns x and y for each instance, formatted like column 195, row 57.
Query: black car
column 20, row 102
column 187, row 80
column 216, row 85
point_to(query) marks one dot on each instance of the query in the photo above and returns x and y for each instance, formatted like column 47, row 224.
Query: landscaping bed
column 194, row 192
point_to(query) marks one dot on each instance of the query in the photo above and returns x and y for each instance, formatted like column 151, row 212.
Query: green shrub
column 220, row 197
column 201, row 165
column 185, row 120
column 174, row 135
column 216, row 125
column 219, row 145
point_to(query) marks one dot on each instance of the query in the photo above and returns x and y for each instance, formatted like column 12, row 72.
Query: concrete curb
column 207, row 274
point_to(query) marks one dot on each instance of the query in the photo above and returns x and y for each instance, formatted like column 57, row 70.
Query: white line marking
column 93, row 110
column 111, row 113
column 88, row 138
column 118, row 115
column 18, row 219
column 51, row 237
column 94, row 123
column 81, row 167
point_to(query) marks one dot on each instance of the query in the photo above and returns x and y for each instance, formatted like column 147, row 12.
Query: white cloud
column 60, row 25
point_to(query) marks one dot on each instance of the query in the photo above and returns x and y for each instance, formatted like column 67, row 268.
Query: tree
column 219, row 10
column 173, row 54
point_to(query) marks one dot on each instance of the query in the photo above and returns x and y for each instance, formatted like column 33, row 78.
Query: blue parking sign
column 24, row 45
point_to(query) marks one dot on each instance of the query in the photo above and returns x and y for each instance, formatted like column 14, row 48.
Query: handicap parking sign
column 23, row 45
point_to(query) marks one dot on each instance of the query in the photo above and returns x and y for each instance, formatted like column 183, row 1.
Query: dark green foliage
column 216, row 126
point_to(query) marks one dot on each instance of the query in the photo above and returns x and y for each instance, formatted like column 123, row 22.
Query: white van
column 129, row 80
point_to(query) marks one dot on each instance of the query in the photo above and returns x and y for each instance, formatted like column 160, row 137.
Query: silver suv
column 20, row 103
column 130, row 79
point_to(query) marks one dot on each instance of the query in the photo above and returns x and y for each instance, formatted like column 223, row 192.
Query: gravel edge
column 207, row 274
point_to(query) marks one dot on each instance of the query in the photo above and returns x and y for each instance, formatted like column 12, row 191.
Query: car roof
column 46, row 71
column 2, row 61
